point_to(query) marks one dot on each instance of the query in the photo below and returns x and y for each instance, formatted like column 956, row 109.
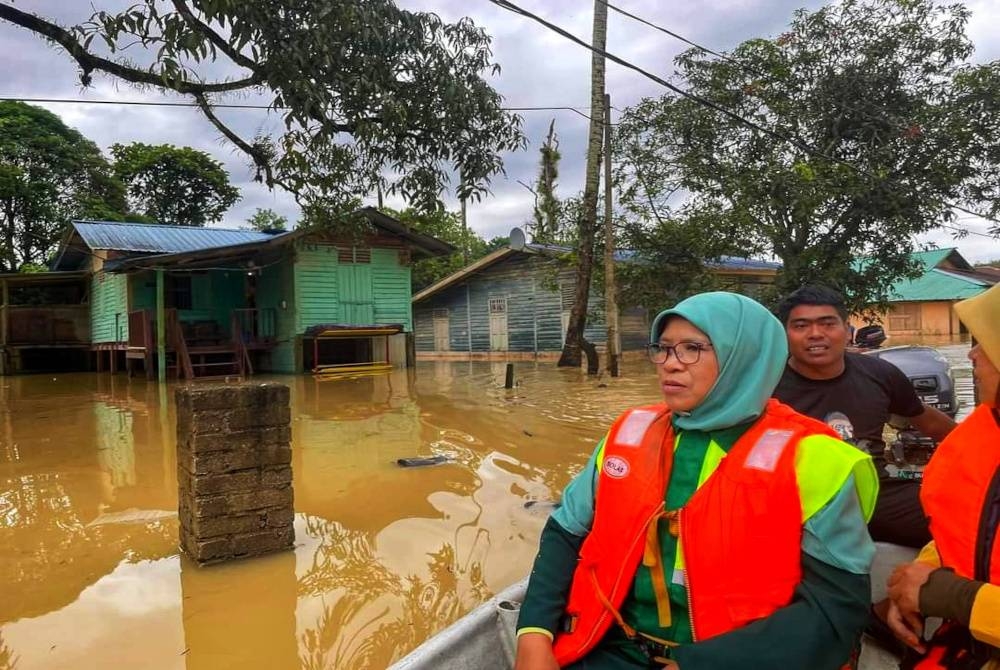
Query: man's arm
column 933, row 423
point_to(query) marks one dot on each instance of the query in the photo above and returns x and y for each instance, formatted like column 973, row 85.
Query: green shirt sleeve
column 837, row 533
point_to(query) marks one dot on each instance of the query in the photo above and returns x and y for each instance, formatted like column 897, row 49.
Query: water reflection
column 385, row 556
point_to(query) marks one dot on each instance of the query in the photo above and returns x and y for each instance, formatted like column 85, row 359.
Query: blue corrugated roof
column 160, row 239
column 630, row 255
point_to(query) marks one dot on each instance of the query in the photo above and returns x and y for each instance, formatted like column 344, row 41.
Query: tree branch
column 220, row 43
column 259, row 159
column 89, row 62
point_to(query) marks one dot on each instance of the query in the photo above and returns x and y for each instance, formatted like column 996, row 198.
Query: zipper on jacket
column 687, row 574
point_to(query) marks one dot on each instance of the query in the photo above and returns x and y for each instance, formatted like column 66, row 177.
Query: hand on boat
column 534, row 652
column 904, row 615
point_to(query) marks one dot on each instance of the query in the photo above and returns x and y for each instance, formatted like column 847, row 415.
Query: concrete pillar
column 234, row 470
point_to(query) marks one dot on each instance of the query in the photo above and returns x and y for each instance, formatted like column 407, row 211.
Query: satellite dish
column 517, row 240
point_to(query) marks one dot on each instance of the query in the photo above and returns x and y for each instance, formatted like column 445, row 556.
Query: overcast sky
column 539, row 68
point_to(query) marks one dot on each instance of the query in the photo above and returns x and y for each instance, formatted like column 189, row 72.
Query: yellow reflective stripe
column 599, row 459
column 713, row 457
column 985, row 620
column 525, row 631
column 823, row 464
column 929, row 555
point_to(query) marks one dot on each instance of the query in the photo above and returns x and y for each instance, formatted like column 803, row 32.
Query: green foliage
column 883, row 85
column 267, row 220
column 498, row 242
column 370, row 95
column 179, row 186
column 547, row 205
column 446, row 226
column 49, row 174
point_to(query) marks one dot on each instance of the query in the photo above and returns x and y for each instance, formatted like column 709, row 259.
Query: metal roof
column 938, row 284
column 723, row 264
column 160, row 239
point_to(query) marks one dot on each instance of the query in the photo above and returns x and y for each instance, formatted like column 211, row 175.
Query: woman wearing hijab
column 957, row 576
column 718, row 529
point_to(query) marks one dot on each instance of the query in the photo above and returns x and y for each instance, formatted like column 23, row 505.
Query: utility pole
column 614, row 347
column 575, row 343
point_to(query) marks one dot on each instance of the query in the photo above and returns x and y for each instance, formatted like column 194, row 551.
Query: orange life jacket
column 740, row 531
column 961, row 492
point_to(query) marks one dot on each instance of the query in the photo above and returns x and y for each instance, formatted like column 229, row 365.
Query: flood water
column 385, row 556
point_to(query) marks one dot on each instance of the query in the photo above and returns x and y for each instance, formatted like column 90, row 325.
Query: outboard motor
column 907, row 455
column 869, row 337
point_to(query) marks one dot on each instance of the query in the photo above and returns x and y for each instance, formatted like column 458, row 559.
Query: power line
column 151, row 103
column 511, row 7
column 762, row 75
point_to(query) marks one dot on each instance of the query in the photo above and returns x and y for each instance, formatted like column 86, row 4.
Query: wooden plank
column 161, row 330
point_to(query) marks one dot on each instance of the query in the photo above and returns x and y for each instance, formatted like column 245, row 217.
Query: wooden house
column 44, row 321
column 925, row 305
column 196, row 302
column 516, row 302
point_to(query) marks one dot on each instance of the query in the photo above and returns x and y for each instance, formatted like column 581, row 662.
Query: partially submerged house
column 516, row 302
column 44, row 321
column 196, row 302
column 925, row 305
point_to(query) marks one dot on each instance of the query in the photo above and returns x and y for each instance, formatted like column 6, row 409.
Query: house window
column 354, row 255
column 498, row 305
column 177, row 292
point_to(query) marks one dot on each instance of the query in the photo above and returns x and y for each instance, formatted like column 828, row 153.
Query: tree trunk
column 571, row 356
column 610, row 298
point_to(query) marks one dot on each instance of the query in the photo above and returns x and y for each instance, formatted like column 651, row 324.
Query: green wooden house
column 197, row 302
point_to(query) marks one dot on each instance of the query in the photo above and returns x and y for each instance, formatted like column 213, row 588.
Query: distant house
column 923, row 306
column 44, row 321
column 516, row 303
column 234, row 301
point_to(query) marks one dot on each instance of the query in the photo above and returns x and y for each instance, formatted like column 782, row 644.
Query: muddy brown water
column 385, row 556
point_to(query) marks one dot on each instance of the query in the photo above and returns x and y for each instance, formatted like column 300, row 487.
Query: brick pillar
column 234, row 471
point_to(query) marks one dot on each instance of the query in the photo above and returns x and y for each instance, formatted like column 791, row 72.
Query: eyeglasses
column 687, row 353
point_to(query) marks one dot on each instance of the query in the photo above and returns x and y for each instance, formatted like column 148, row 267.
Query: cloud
column 539, row 68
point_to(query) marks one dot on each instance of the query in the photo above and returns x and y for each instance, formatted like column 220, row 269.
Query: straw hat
column 981, row 315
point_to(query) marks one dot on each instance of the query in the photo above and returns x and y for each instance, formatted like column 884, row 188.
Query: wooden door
column 442, row 341
column 357, row 302
column 498, row 324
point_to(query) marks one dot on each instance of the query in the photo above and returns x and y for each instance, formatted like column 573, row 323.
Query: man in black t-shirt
column 855, row 394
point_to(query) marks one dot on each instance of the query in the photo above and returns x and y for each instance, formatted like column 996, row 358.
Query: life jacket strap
column 652, row 558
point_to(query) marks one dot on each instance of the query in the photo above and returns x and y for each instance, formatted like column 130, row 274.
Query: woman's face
column 986, row 375
column 685, row 384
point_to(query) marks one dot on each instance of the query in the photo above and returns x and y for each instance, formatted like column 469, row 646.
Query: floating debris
column 418, row 462
column 133, row 515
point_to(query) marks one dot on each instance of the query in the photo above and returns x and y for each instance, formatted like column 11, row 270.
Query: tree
column 446, row 226
column 875, row 124
column 545, row 229
column 372, row 97
column 49, row 174
column 587, row 223
column 267, row 220
column 179, row 186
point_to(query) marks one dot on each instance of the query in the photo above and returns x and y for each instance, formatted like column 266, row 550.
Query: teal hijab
column 750, row 345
